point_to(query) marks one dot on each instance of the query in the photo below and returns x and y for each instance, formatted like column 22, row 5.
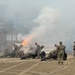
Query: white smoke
column 50, row 29
column 46, row 21
column 21, row 37
column 47, row 16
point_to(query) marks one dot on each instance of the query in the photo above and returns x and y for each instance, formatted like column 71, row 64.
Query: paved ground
column 15, row 66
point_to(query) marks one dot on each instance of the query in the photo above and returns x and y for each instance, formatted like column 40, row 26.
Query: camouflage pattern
column 60, row 53
column 38, row 50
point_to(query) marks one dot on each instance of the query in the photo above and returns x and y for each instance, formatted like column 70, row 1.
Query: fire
column 26, row 41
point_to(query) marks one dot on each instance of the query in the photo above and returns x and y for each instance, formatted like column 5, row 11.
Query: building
column 3, row 36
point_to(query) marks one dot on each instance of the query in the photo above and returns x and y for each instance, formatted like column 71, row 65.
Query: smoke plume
column 50, row 29
column 46, row 20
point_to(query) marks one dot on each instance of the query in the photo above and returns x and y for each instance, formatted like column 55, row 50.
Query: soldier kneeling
column 43, row 56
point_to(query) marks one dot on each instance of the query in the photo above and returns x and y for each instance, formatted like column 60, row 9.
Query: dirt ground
column 15, row 66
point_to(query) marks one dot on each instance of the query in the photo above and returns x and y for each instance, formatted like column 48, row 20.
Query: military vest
column 61, row 48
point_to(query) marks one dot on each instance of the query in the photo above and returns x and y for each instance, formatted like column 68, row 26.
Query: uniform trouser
column 38, row 53
column 60, row 56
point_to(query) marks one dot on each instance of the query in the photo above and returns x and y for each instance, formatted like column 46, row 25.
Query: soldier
column 43, row 56
column 57, row 48
column 74, row 48
column 15, row 50
column 38, row 50
column 60, row 48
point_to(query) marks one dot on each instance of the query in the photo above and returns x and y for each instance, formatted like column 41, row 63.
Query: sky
column 31, row 17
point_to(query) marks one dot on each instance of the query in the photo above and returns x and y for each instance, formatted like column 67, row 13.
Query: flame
column 26, row 41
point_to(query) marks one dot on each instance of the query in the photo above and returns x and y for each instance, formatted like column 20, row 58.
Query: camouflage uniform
column 38, row 50
column 60, row 53
column 56, row 49
column 74, row 49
